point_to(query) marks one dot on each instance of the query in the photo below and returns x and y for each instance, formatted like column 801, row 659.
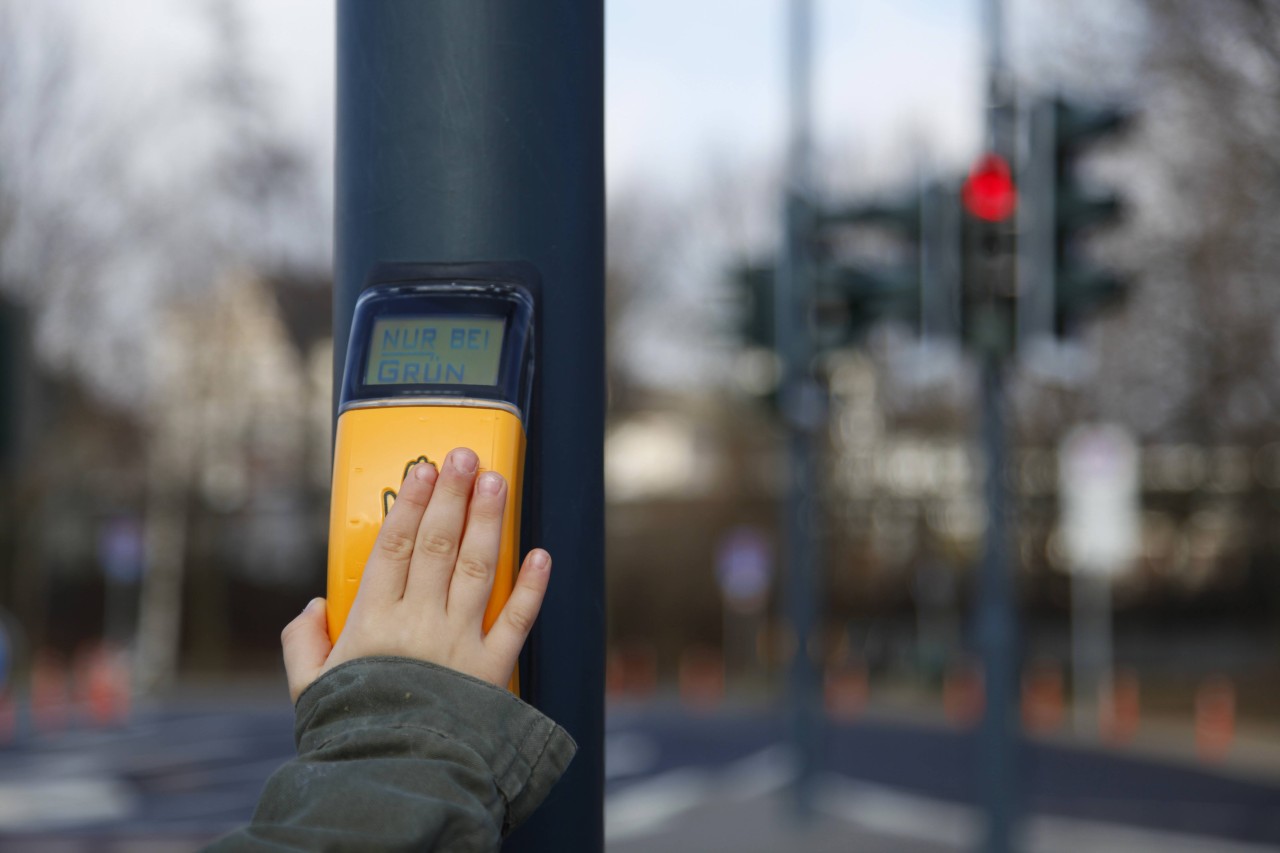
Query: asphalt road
column 178, row 776
column 918, row 785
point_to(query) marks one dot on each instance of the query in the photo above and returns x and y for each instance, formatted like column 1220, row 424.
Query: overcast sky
column 691, row 86
column 687, row 80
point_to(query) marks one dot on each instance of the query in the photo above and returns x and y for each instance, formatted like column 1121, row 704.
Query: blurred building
column 903, row 529
column 195, row 524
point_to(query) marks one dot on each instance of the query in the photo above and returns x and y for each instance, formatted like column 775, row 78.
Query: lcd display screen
column 435, row 350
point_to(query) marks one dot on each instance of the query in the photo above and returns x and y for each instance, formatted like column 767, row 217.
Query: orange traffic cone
column 1119, row 712
column 50, row 694
column 1043, row 707
column 701, row 678
column 1215, row 718
column 105, row 686
column 8, row 718
column 845, row 690
column 632, row 672
column 962, row 698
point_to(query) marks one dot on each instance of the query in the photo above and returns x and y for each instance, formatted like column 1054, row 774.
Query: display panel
column 435, row 350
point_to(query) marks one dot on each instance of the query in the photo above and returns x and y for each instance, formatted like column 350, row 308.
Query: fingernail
column 464, row 461
column 490, row 483
column 422, row 471
column 313, row 605
column 539, row 560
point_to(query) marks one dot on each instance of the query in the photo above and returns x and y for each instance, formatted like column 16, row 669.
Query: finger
column 388, row 567
column 507, row 636
column 478, row 555
column 440, row 530
column 306, row 646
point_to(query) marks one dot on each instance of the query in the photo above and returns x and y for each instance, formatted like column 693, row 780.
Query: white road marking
column 896, row 813
column 44, row 804
column 647, row 806
column 759, row 774
column 628, row 754
column 1071, row 835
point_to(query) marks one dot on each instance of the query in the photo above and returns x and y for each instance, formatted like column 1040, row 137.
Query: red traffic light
column 989, row 191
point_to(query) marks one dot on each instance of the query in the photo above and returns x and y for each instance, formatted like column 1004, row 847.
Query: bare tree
column 116, row 206
column 256, row 212
column 1194, row 354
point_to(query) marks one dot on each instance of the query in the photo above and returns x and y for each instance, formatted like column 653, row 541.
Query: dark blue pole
column 997, row 595
column 996, row 626
column 472, row 130
column 804, row 413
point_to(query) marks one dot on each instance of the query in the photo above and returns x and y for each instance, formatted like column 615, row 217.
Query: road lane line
column 911, row 816
column 647, row 806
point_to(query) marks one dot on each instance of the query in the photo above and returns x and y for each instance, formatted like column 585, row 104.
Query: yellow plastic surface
column 374, row 449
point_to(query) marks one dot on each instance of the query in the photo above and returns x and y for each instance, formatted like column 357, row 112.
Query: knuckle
column 520, row 619
column 456, row 487
column 407, row 501
column 488, row 507
column 394, row 544
column 437, row 544
column 294, row 626
column 473, row 568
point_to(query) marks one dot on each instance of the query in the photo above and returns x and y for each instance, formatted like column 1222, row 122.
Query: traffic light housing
column 756, row 324
column 1061, row 286
column 988, row 234
column 893, row 259
column 869, row 267
column 852, row 299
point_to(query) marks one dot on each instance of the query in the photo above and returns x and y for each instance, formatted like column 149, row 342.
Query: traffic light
column 869, row 267
column 990, row 200
column 14, row 345
column 755, row 284
column 1060, row 285
column 852, row 299
column 896, row 259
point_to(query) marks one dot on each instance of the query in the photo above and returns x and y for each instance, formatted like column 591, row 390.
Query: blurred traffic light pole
column 996, row 267
column 1061, row 287
column 990, row 278
column 803, row 404
column 472, row 130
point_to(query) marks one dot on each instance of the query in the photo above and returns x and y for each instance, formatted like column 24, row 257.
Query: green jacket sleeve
column 400, row 754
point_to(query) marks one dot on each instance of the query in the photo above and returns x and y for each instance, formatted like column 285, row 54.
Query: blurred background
column 166, row 202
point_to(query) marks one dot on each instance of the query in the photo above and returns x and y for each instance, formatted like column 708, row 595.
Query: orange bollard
column 632, row 672
column 1119, row 712
column 8, row 718
column 962, row 698
column 701, row 678
column 1215, row 718
column 613, row 676
column 1043, row 705
column 104, row 682
column 50, row 694
column 845, row 690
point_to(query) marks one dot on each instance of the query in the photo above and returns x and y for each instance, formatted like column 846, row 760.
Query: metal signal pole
column 803, row 406
column 473, row 130
column 996, row 594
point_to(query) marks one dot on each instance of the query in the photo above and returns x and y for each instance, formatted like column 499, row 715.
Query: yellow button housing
column 376, row 446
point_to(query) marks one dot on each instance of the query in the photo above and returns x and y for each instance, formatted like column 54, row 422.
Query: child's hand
column 425, row 587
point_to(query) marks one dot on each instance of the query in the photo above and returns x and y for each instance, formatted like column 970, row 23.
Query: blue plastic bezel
column 464, row 290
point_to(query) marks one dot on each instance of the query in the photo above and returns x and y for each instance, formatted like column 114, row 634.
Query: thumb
column 306, row 647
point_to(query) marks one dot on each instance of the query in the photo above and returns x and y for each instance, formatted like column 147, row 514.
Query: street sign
column 1098, row 474
column 121, row 551
column 744, row 568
